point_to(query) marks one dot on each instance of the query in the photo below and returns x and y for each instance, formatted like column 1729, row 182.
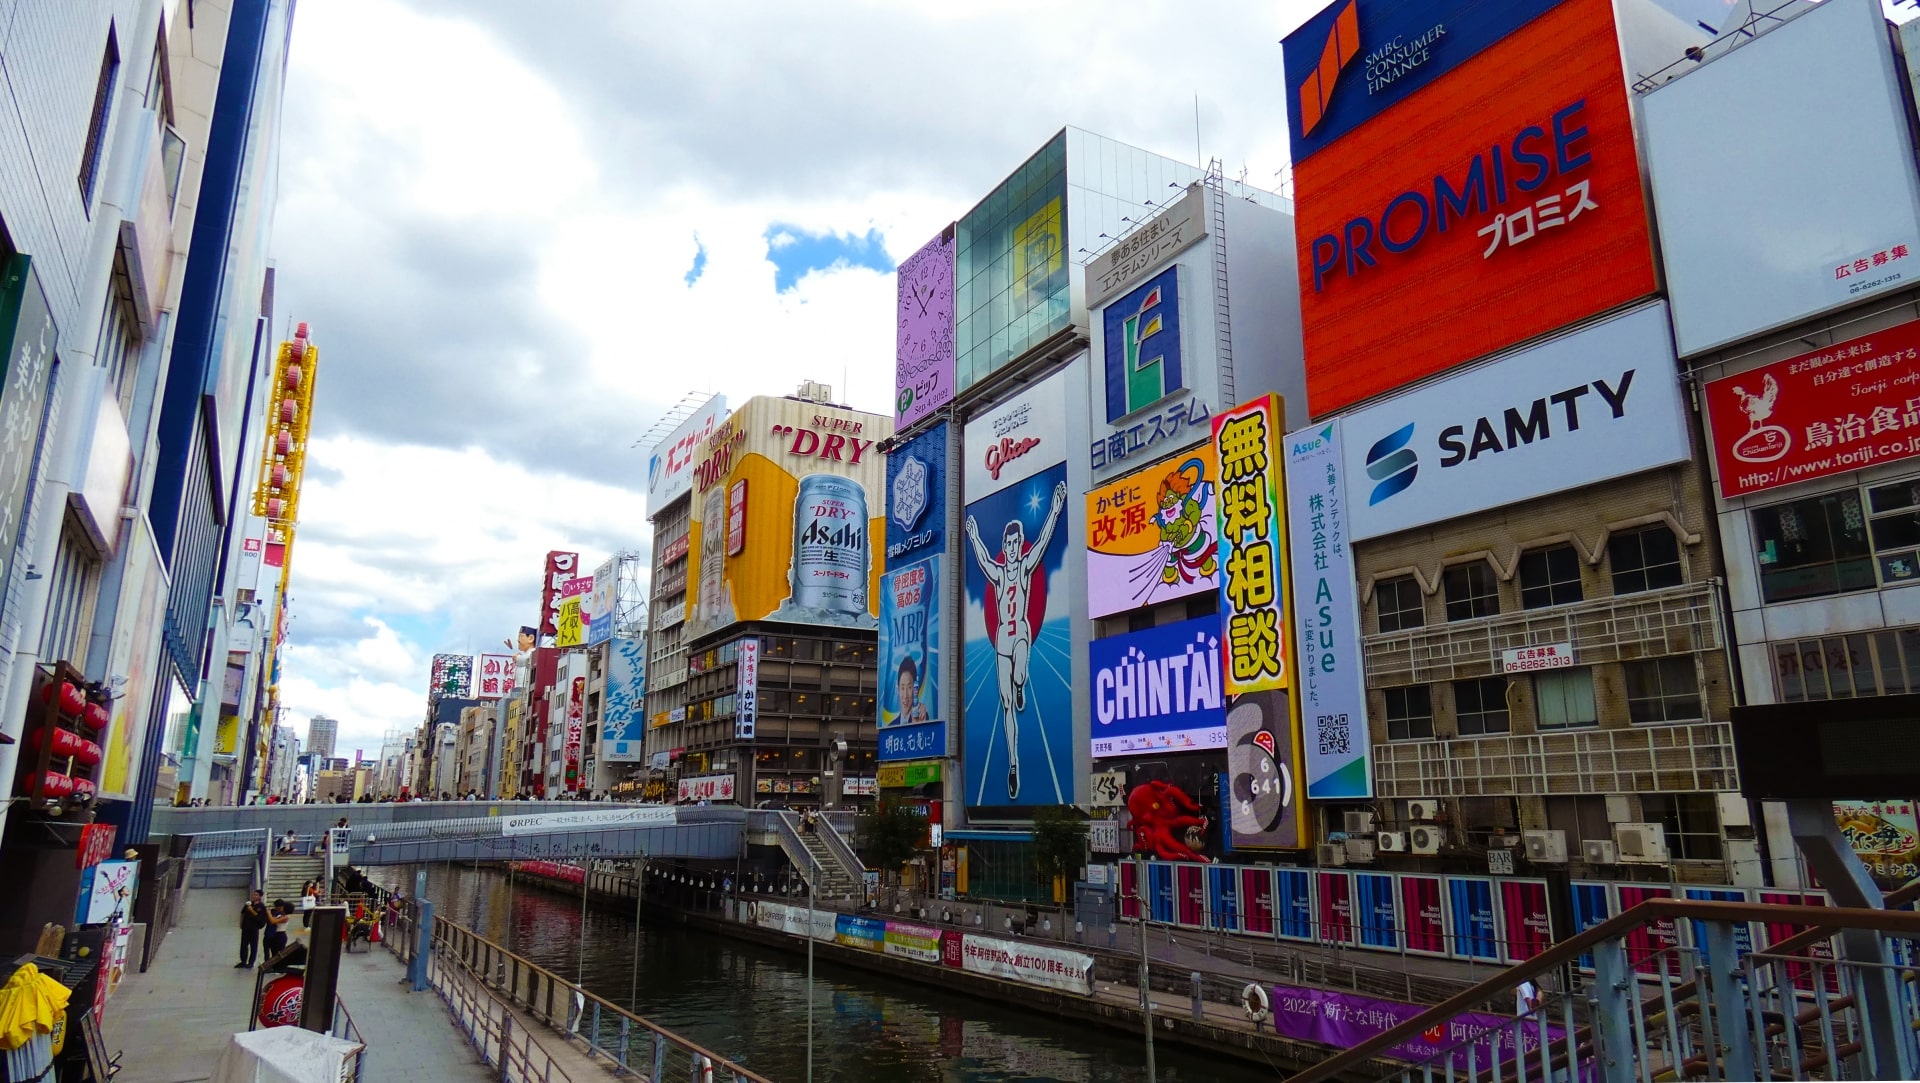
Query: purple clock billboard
column 923, row 373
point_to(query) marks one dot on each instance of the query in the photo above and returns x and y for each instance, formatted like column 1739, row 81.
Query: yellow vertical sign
column 1252, row 545
column 568, row 629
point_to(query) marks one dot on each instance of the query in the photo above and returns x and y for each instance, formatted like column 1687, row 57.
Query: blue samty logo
column 1391, row 464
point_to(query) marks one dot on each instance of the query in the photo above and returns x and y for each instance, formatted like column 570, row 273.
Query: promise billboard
column 1498, row 203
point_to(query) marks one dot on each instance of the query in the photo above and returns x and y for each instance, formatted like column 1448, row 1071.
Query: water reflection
column 750, row 1002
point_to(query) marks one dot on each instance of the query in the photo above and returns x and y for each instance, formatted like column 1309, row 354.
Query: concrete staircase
column 287, row 872
column 839, row 879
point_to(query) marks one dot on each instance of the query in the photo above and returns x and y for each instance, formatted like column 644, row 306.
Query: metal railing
column 344, row 1029
column 1685, row 756
column 1652, row 1011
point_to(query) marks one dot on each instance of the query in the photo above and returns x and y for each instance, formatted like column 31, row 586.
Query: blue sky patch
column 699, row 261
column 794, row 252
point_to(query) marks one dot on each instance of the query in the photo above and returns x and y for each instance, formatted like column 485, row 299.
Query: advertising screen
column 1835, row 410
column 1600, row 403
column 911, row 725
column 670, row 464
column 1010, row 263
column 1496, row 204
column 623, row 721
column 1251, row 519
column 1158, row 690
column 1263, row 757
column 923, row 356
column 1150, row 534
column 1018, row 689
column 1331, row 684
column 453, row 676
column 601, row 602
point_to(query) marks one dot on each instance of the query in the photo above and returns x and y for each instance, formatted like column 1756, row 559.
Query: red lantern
column 280, row 1001
column 71, row 700
column 55, row 784
column 96, row 716
column 64, row 743
column 88, row 753
column 83, row 787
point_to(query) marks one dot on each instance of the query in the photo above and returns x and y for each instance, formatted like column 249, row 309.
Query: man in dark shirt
column 253, row 918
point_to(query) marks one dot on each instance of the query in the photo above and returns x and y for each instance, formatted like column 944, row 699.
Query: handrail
column 1566, row 951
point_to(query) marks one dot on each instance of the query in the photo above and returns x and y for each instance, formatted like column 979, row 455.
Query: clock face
column 925, row 339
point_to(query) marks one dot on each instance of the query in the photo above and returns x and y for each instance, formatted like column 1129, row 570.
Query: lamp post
column 1146, row 989
column 813, row 874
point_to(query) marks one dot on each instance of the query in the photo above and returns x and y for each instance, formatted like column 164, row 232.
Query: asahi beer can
column 713, row 552
column 830, row 553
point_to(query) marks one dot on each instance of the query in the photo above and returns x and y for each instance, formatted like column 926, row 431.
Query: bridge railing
column 629, row 1044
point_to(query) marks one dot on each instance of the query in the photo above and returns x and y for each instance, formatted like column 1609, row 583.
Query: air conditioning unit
column 1498, row 842
column 1391, row 842
column 1359, row 823
column 1331, row 854
column 1423, row 809
column 1423, row 839
column 1360, row 851
column 1546, row 847
column 1600, row 852
column 1641, row 844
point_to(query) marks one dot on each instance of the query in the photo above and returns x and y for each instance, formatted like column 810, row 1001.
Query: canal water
column 750, row 1002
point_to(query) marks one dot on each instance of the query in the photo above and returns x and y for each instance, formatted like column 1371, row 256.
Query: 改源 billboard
column 1150, row 534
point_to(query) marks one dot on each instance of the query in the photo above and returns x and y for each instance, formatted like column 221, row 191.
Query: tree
column 892, row 836
column 1059, row 841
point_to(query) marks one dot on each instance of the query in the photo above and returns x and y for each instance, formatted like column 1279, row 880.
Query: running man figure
column 1011, row 578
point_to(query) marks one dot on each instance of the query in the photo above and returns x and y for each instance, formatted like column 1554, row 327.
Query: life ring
column 1254, row 999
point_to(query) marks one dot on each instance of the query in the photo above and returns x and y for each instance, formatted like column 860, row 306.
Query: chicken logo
column 1762, row 442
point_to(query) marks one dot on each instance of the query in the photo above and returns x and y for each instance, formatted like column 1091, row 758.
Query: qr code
column 1334, row 740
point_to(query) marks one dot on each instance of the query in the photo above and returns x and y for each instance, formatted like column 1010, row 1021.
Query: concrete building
column 321, row 734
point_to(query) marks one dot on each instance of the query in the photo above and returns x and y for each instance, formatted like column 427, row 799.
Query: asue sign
column 1600, row 403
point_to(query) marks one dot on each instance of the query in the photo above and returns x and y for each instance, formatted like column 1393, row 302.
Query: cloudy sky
column 523, row 231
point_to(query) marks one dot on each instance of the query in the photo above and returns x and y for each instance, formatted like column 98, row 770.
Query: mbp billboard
column 1158, row 691
column 923, row 355
column 912, row 619
column 1330, row 681
column 670, row 466
column 1495, row 203
column 1849, row 406
column 1600, row 403
column 1018, row 688
column 1150, row 534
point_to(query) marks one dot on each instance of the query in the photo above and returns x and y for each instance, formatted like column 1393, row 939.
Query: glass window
column 1842, row 667
column 1644, row 559
column 1565, row 699
column 1663, row 690
column 1896, row 530
column 95, row 146
column 1480, row 706
column 1549, row 577
column 1409, row 713
column 1813, row 547
column 1692, row 824
column 1471, row 591
column 1400, row 603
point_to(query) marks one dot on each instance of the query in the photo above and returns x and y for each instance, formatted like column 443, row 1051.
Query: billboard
column 1010, row 257
column 134, row 654
column 1785, row 175
column 670, row 464
column 1018, row 695
column 1251, row 520
column 923, row 354
column 1835, row 410
column 1332, row 684
column 570, row 625
column 1263, row 772
column 560, row 570
column 1499, row 203
column 493, row 676
column 602, row 601
column 1142, row 345
column 1158, row 690
column 1600, row 403
column 912, row 722
column 452, row 676
column 576, row 729
column 1150, row 534
column 746, row 689
column 623, row 714
column 917, row 496
column 786, row 510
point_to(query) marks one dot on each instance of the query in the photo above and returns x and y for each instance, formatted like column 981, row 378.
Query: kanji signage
column 453, row 676
column 494, row 678
column 1534, row 659
column 1846, row 407
column 561, row 569
column 1252, row 545
column 1150, row 534
column 1332, row 693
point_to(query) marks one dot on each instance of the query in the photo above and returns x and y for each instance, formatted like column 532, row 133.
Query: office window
column 1842, row 667
column 1644, row 559
column 1471, row 591
column 96, row 144
column 1813, row 547
column 1565, row 699
column 1549, row 577
column 72, row 589
column 1663, row 690
column 119, row 349
column 1692, row 824
column 1895, row 529
column 1400, row 603
column 1409, row 713
column 1480, row 706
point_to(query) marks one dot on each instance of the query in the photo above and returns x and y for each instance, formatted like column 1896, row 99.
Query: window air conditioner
column 1641, row 844
column 1359, row 823
column 1600, row 852
column 1391, row 842
column 1546, row 847
column 1422, row 809
column 1423, row 839
column 1360, row 851
column 1331, row 854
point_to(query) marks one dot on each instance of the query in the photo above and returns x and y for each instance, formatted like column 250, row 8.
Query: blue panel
column 1158, row 690
column 1160, row 891
column 1376, row 910
column 1223, row 895
column 1592, row 904
column 1742, row 932
column 1475, row 925
column 1142, row 345
column 1293, row 903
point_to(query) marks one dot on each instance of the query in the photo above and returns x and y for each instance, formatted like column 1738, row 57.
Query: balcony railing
column 1690, row 757
column 1679, row 620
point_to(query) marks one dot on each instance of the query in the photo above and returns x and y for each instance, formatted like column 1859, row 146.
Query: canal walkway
column 171, row 1023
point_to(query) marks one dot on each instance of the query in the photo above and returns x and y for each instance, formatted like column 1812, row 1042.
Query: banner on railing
column 917, row 942
column 588, row 820
column 1029, row 964
column 554, row 870
column 1344, row 1020
column 867, row 934
column 792, row 920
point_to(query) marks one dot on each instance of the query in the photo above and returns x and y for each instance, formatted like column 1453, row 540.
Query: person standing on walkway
column 309, row 898
column 275, row 937
column 253, row 918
